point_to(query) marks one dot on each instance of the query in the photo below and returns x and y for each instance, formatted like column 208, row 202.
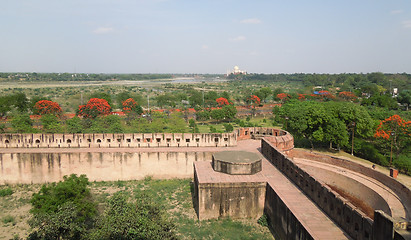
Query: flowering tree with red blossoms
column 254, row 100
column 283, row 96
column 222, row 101
column 131, row 108
column 347, row 96
column 129, row 105
column 47, row 107
column 301, row 96
column 397, row 131
column 94, row 108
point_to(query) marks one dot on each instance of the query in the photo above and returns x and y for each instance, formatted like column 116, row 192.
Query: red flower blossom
column 255, row 100
column 47, row 107
column 222, row 101
column 94, row 108
column 347, row 95
column 129, row 105
column 283, row 96
column 301, row 96
column 392, row 124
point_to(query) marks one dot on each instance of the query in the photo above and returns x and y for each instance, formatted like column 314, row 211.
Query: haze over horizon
column 181, row 36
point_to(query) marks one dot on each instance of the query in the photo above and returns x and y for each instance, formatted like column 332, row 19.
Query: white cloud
column 103, row 30
column 204, row 47
column 396, row 11
column 251, row 21
column 237, row 39
column 406, row 24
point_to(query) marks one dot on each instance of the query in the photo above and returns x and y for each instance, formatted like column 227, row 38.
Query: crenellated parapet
column 281, row 139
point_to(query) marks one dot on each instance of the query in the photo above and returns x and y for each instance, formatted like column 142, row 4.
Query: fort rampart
column 137, row 140
column 357, row 224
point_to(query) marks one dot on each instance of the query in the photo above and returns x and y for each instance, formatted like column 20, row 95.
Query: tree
column 94, row 108
column 196, row 98
column 74, row 125
column 127, row 220
column 217, row 114
column 106, row 124
column 384, row 101
column 348, row 96
column 283, row 97
column 222, row 101
column 210, row 97
column 203, row 115
column 50, row 123
column 228, row 127
column 62, row 210
column 176, row 123
column 405, row 98
column 255, row 100
column 397, row 131
column 121, row 97
column 33, row 102
column 5, row 106
column 229, row 111
column 22, row 123
column 19, row 101
column 306, row 119
column 102, row 95
column 47, row 107
column 131, row 107
column 263, row 93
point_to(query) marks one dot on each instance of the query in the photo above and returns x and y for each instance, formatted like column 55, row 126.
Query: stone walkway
column 314, row 220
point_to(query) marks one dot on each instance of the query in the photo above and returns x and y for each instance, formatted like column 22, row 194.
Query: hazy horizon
column 205, row 37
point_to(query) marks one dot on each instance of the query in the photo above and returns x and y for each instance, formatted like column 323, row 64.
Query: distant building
column 236, row 71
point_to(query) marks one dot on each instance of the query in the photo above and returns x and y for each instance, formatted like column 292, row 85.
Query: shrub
column 9, row 219
column 6, row 192
column 62, row 210
column 263, row 220
column 403, row 163
column 140, row 219
column 228, row 127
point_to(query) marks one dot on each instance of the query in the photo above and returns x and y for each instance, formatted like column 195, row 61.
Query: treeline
column 337, row 124
column 50, row 77
column 345, row 81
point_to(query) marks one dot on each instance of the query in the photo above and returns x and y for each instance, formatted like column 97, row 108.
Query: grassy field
column 174, row 195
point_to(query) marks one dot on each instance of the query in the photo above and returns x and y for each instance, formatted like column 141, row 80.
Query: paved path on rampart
column 314, row 220
column 399, row 211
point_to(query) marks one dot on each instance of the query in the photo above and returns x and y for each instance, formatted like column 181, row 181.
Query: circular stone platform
column 237, row 162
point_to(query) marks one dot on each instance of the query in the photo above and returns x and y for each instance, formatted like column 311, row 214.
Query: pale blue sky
column 194, row 36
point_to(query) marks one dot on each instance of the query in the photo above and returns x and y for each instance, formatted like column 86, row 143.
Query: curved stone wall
column 400, row 189
column 351, row 186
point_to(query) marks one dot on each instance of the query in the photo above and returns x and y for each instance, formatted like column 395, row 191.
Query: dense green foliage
column 322, row 123
column 138, row 219
column 63, row 210
column 6, row 192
